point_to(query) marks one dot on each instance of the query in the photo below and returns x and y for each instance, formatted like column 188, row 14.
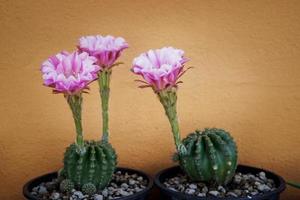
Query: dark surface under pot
column 167, row 194
column 142, row 195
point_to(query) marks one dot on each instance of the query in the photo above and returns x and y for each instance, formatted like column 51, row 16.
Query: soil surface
column 242, row 185
column 122, row 184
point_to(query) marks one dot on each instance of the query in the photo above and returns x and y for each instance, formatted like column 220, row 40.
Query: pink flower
column 69, row 73
column 106, row 49
column 161, row 68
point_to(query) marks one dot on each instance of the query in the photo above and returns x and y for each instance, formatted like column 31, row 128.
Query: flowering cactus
column 161, row 69
column 88, row 165
column 70, row 74
column 107, row 50
column 208, row 155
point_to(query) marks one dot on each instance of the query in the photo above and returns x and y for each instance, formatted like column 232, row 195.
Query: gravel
column 98, row 197
column 214, row 193
column 55, row 196
column 122, row 184
column 242, row 185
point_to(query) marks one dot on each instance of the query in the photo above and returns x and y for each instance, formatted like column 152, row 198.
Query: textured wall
column 246, row 79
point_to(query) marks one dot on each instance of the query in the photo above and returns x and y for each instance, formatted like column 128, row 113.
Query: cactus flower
column 69, row 73
column 161, row 68
column 107, row 49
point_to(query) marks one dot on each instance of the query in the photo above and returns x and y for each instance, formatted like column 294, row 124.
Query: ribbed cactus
column 66, row 185
column 95, row 166
column 89, row 189
column 211, row 156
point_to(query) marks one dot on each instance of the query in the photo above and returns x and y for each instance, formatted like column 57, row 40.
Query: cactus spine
column 211, row 156
column 95, row 166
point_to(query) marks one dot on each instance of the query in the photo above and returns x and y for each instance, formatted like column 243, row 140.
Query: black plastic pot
column 167, row 194
column 142, row 195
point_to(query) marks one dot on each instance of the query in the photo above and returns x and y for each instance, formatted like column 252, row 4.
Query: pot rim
column 26, row 190
column 281, row 186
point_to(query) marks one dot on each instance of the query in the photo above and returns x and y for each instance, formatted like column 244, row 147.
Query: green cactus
column 95, row 166
column 89, row 189
column 66, row 185
column 211, row 156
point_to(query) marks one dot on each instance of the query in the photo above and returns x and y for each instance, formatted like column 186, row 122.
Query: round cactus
column 211, row 156
column 89, row 189
column 66, row 185
column 96, row 165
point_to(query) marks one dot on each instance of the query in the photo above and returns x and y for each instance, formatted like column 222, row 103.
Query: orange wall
column 246, row 79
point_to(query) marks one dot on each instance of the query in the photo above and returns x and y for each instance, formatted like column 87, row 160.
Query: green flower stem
column 296, row 185
column 104, row 81
column 168, row 99
column 75, row 103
